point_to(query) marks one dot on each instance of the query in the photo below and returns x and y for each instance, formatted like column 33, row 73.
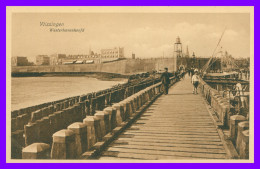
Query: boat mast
column 207, row 65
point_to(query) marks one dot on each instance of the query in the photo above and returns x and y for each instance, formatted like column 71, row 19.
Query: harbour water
column 30, row 91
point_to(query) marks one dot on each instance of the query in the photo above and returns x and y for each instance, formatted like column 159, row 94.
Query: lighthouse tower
column 178, row 48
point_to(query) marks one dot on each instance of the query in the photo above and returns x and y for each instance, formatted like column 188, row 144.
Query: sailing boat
column 229, row 69
column 227, row 80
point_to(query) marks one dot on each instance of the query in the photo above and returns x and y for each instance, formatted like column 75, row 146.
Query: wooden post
column 36, row 151
column 82, row 109
column 36, row 115
column 59, row 120
column 63, row 146
column 17, row 144
column 118, row 114
column 87, row 107
column 129, row 110
column 242, row 126
column 13, row 124
column 47, row 135
column 93, row 106
column 112, row 116
column 132, row 105
column 234, row 120
column 80, row 130
column 91, row 133
column 98, row 131
column 123, row 110
column 244, row 146
column 30, row 134
column 100, row 115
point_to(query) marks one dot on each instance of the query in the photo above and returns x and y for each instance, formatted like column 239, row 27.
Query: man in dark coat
column 165, row 78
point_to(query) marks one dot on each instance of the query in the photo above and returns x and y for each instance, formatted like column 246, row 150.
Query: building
column 106, row 55
column 42, row 60
column 57, row 59
column 116, row 52
column 82, row 57
column 20, row 61
column 228, row 63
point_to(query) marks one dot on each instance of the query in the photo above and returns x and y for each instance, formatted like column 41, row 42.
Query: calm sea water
column 30, row 91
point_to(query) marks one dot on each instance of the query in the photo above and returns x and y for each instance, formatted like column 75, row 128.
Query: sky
column 145, row 34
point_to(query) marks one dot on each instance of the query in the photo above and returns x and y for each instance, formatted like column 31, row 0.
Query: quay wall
column 127, row 66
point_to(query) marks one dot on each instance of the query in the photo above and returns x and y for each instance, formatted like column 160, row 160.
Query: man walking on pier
column 165, row 78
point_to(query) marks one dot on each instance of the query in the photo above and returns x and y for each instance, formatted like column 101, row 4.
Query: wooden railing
column 237, row 124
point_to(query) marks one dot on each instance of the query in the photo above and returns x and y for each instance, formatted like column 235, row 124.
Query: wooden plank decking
column 176, row 126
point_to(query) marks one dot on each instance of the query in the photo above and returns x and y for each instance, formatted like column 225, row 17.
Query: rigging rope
column 207, row 65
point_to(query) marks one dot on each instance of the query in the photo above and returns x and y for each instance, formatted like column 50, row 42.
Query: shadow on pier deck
column 176, row 126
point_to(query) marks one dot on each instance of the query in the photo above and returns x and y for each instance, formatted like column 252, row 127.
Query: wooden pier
column 176, row 126
column 147, row 125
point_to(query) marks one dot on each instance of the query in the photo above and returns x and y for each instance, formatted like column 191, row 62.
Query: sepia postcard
column 130, row 84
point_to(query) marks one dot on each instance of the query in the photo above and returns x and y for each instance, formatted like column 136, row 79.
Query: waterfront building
column 20, row 61
column 82, row 56
column 57, row 59
column 116, row 52
column 42, row 60
column 106, row 55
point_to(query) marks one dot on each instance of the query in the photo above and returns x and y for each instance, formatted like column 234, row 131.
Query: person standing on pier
column 195, row 81
column 191, row 73
column 165, row 78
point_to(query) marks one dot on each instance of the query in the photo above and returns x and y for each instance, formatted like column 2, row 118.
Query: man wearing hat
column 165, row 78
